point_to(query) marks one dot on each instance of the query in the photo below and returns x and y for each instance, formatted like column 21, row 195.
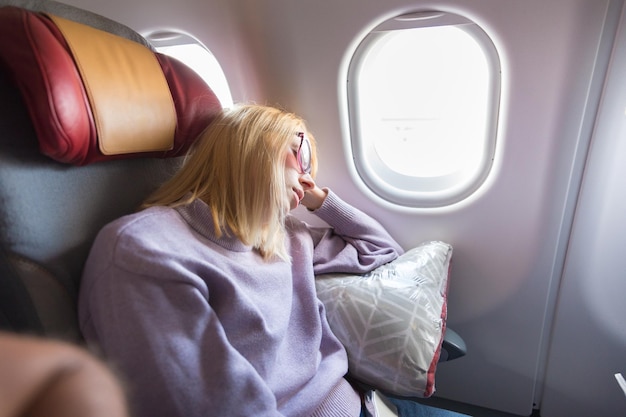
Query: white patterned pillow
column 392, row 320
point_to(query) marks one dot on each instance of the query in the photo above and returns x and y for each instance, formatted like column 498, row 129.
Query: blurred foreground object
column 40, row 377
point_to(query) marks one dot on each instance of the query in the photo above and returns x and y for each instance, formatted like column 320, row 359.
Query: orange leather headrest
column 95, row 96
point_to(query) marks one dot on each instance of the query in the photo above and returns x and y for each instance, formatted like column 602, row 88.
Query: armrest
column 453, row 346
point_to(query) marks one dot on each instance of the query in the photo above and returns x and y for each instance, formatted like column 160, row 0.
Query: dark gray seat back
column 50, row 212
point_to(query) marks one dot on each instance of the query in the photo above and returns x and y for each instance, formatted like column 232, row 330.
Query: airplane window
column 423, row 97
column 193, row 53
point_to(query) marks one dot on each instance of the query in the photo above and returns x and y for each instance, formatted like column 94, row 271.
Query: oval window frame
column 422, row 191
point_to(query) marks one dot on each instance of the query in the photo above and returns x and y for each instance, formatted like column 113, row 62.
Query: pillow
column 81, row 116
column 392, row 320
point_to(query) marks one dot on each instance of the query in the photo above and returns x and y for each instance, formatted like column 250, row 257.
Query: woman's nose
column 306, row 181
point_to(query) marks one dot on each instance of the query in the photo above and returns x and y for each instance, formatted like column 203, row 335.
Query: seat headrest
column 95, row 96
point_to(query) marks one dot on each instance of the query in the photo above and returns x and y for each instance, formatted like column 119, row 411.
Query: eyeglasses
column 304, row 154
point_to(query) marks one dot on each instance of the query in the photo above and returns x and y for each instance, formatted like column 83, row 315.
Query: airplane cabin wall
column 589, row 339
column 511, row 236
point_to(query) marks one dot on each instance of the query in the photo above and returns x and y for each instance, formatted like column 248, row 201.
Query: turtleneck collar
column 198, row 215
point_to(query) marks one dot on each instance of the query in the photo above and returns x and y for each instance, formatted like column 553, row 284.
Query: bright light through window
column 195, row 55
column 429, row 113
column 423, row 100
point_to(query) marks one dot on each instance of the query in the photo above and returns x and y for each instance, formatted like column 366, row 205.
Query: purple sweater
column 201, row 326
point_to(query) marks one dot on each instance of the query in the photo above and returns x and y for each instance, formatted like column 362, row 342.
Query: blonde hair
column 237, row 167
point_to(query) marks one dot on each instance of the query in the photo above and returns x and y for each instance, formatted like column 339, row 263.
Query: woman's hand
column 314, row 197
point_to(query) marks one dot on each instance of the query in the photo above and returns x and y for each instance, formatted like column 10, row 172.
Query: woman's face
column 297, row 170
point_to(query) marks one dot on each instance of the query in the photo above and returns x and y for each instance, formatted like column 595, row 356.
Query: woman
column 206, row 300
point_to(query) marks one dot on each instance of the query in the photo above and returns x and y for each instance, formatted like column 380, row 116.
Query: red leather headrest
column 37, row 55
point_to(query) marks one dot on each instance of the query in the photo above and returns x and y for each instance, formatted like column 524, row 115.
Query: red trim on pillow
column 430, row 384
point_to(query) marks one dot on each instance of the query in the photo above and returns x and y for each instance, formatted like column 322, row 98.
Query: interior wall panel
column 507, row 236
column 589, row 341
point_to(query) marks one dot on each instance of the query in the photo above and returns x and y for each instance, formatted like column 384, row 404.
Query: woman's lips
column 299, row 194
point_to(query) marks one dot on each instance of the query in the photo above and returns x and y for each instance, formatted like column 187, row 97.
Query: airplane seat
column 63, row 176
column 83, row 140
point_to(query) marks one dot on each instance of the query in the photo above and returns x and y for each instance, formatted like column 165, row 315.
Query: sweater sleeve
column 355, row 242
column 161, row 330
